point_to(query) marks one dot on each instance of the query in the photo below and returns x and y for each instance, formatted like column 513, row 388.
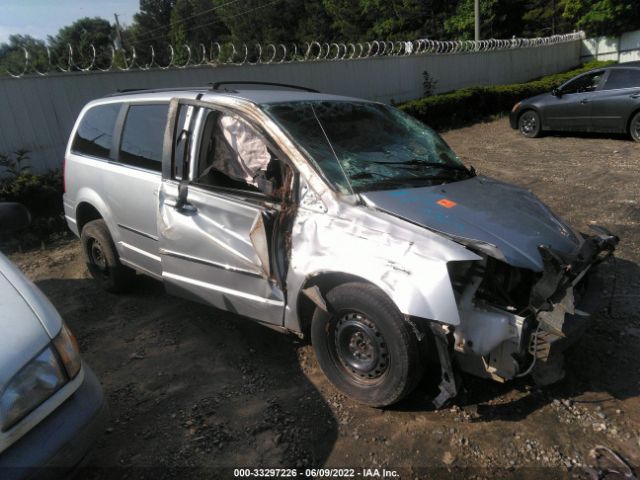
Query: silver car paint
column 208, row 253
column 405, row 261
column 28, row 323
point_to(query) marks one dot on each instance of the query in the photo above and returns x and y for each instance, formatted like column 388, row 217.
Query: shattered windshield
column 363, row 146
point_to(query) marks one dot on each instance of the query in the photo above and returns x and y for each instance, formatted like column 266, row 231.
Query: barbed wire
column 216, row 54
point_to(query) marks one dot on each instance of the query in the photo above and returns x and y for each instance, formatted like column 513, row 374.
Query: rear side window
column 143, row 136
column 94, row 136
column 622, row 78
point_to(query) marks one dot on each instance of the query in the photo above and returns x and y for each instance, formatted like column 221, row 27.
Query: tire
column 103, row 260
column 634, row 127
column 529, row 124
column 364, row 345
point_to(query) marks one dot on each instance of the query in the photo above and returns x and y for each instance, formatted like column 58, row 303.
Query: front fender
column 408, row 263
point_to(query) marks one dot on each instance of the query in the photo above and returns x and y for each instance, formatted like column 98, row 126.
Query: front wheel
column 364, row 345
column 634, row 127
column 529, row 124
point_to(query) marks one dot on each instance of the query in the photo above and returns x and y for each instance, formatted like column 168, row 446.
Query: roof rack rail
column 132, row 91
column 216, row 85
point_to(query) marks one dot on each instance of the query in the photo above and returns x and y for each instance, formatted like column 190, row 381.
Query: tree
column 602, row 17
column 196, row 22
column 12, row 57
column 544, row 17
column 499, row 19
column 388, row 20
column 81, row 34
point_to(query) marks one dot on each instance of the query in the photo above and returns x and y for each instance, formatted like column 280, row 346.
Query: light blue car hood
column 479, row 208
column 28, row 321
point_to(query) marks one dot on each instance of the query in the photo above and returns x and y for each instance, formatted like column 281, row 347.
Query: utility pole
column 118, row 40
column 476, row 9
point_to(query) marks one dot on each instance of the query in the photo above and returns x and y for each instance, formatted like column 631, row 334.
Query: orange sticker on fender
column 446, row 203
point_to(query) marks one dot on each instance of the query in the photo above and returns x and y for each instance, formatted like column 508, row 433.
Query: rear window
column 622, row 78
column 143, row 136
column 94, row 136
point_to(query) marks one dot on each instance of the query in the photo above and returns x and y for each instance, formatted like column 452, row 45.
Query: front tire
column 529, row 124
column 634, row 127
column 103, row 260
column 364, row 345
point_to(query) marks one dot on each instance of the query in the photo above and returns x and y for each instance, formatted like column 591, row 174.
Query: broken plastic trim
column 563, row 271
column 448, row 385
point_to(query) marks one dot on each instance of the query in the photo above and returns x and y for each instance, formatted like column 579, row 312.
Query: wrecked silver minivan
column 335, row 218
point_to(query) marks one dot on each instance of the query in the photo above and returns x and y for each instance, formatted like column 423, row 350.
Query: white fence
column 625, row 48
column 38, row 112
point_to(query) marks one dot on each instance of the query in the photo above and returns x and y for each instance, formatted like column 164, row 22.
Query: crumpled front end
column 515, row 321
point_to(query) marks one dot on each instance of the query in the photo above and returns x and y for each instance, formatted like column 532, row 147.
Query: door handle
column 584, row 100
column 635, row 95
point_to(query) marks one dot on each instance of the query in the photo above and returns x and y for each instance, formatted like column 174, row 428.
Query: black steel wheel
column 529, row 124
column 364, row 345
column 634, row 127
column 103, row 260
column 360, row 348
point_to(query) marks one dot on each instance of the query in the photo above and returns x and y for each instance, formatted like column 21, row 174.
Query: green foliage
column 12, row 54
column 602, row 17
column 194, row 22
column 467, row 105
column 41, row 194
column 14, row 164
column 80, row 35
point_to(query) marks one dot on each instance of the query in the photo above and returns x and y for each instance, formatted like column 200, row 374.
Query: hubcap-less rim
column 635, row 129
column 98, row 258
column 360, row 347
column 528, row 123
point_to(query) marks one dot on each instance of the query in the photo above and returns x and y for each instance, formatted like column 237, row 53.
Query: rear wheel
column 103, row 260
column 634, row 127
column 364, row 345
column 529, row 124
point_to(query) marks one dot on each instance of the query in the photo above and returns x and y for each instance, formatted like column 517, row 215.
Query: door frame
column 260, row 201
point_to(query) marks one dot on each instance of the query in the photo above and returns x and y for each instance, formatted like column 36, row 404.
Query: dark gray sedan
column 601, row 100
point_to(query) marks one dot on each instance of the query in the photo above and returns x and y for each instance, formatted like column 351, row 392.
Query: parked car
column 602, row 100
column 51, row 405
column 337, row 218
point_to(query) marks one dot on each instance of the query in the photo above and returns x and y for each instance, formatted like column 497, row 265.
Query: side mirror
column 556, row 92
column 13, row 217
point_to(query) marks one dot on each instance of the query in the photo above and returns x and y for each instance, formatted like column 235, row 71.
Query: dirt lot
column 197, row 389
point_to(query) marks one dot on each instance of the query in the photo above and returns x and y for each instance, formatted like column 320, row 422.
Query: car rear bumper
column 58, row 444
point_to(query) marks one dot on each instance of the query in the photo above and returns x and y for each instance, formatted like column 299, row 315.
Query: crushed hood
column 508, row 217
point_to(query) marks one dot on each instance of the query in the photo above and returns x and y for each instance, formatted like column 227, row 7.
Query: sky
column 40, row 18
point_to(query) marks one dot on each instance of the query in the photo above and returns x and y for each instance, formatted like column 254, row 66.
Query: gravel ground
column 196, row 392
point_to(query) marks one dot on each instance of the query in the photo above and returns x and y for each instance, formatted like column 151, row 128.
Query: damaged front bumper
column 570, row 290
column 500, row 344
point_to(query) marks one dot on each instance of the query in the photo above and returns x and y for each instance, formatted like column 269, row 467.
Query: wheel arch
column 628, row 122
column 325, row 281
column 528, row 108
column 85, row 213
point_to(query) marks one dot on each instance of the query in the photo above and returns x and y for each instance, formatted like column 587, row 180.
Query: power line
column 218, row 20
column 193, row 16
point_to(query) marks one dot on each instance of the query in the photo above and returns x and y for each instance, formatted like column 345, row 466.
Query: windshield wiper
column 387, row 179
column 416, row 162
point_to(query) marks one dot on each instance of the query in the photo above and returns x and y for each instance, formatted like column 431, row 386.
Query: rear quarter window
column 94, row 136
column 143, row 136
column 622, row 78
